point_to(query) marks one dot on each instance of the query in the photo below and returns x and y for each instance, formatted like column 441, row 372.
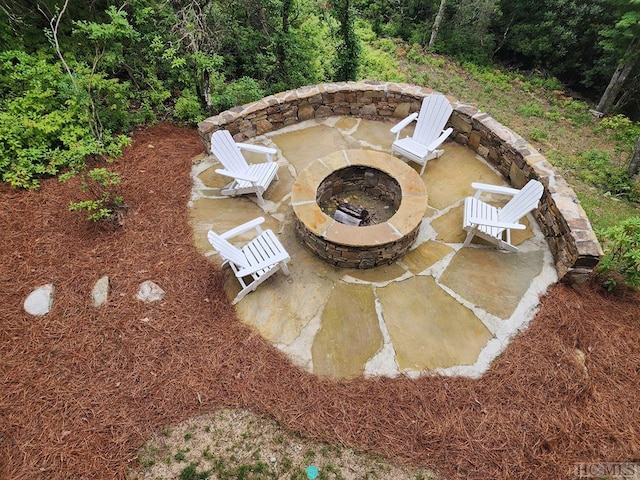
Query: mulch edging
column 82, row 389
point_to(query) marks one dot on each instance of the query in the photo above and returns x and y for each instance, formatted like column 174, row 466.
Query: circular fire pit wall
column 347, row 182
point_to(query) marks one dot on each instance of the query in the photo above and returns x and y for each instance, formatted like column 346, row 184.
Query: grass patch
column 246, row 446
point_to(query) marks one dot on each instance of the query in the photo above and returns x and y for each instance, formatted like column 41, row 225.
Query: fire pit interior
column 358, row 208
column 359, row 196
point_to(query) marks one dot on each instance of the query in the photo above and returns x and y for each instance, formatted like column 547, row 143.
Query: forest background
column 76, row 78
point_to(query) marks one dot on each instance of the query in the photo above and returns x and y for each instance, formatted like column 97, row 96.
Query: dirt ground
column 82, row 389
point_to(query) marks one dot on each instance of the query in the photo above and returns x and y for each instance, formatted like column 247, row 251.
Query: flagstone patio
column 439, row 308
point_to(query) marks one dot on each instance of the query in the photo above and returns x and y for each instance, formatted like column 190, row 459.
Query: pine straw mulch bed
column 82, row 389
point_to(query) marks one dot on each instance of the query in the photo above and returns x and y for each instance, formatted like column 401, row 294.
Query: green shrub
column 239, row 92
column 621, row 129
column 188, row 108
column 531, row 109
column 45, row 124
column 545, row 82
column 105, row 202
column 621, row 244
column 538, row 134
column 416, row 54
column 596, row 168
column 379, row 65
column 489, row 76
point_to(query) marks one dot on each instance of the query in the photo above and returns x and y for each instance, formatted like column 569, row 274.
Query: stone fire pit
column 353, row 246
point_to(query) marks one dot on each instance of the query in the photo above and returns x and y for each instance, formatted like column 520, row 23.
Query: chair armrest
column 403, row 123
column 268, row 151
column 490, row 223
column 245, row 227
column 485, row 187
column 264, row 264
column 236, row 175
column 443, row 136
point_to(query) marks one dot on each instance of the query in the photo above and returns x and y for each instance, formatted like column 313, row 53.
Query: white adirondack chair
column 247, row 177
column 495, row 224
column 429, row 132
column 256, row 261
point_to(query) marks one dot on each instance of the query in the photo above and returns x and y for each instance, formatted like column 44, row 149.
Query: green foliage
column 188, row 108
column 577, row 111
column 559, row 36
column 491, row 77
column 307, row 52
column 105, row 202
column 596, row 168
column 377, row 61
column 465, row 33
column 622, row 254
column 621, row 129
column 417, row 55
column 538, row 134
column 348, row 50
column 180, row 455
column 235, row 93
column 531, row 109
column 190, row 472
column 45, row 124
column 545, row 81
column 244, row 90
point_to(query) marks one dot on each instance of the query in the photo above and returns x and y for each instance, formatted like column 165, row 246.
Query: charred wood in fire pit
column 352, row 215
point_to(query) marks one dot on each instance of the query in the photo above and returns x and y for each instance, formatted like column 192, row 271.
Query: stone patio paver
column 429, row 328
column 350, row 334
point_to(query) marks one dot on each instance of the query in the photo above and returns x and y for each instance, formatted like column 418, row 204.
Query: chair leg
column 229, row 190
column 241, row 294
column 284, row 268
column 470, row 235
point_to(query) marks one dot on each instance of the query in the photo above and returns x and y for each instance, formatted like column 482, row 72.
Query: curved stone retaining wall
column 561, row 218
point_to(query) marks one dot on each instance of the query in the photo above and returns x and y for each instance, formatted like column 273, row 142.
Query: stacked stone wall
column 561, row 218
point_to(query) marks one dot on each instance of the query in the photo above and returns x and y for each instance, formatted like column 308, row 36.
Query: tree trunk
column 634, row 165
column 436, row 24
column 283, row 39
column 619, row 76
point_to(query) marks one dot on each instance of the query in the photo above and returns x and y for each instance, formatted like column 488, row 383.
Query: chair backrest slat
column 433, row 116
column 522, row 202
column 225, row 149
column 227, row 250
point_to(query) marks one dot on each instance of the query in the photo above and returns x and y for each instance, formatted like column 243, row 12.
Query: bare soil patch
column 81, row 390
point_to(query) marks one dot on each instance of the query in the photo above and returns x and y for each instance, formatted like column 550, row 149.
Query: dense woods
column 76, row 77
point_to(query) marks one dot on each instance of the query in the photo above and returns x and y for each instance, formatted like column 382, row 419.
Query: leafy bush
column 105, row 202
column 44, row 124
column 384, row 44
column 379, row 65
column 538, row 134
column 596, row 168
column 241, row 91
column 416, row 54
column 622, row 129
column 188, row 108
column 545, row 82
column 490, row 76
column 622, row 254
column 531, row 109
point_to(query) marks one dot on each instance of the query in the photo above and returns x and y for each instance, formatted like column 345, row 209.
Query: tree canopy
column 77, row 75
